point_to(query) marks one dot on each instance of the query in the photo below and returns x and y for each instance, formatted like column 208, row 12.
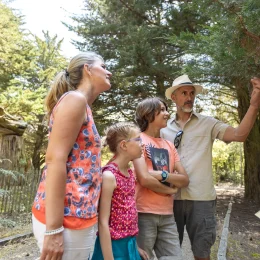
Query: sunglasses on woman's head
column 177, row 139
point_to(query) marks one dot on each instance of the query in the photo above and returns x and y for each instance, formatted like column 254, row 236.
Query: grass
column 256, row 256
column 10, row 225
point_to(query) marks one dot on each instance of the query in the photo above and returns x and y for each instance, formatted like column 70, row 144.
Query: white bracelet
column 53, row 232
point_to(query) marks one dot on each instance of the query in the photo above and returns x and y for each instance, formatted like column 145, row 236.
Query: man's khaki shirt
column 195, row 151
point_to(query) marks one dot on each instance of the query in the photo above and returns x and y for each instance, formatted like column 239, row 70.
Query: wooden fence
column 17, row 192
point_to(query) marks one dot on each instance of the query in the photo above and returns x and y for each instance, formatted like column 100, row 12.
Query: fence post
column 222, row 250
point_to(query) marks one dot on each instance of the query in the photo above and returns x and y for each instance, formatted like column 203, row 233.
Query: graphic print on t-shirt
column 159, row 158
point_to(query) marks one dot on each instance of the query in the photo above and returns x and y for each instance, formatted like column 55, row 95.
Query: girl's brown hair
column 146, row 111
column 118, row 132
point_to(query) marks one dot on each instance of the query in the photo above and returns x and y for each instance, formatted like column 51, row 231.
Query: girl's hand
column 143, row 254
column 52, row 247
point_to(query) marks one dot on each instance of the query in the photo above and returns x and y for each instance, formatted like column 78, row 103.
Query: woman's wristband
column 53, row 232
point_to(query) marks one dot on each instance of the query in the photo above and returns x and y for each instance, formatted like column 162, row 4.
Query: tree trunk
column 241, row 165
column 11, row 152
column 251, row 147
column 252, row 164
column 39, row 140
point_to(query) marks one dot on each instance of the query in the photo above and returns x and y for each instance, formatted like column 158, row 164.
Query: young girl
column 117, row 225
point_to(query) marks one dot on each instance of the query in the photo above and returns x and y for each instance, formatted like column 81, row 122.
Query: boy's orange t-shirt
column 159, row 154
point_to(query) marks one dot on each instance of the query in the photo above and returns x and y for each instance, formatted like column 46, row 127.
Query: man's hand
column 255, row 96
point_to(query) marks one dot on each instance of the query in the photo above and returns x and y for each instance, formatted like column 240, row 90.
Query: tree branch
column 144, row 17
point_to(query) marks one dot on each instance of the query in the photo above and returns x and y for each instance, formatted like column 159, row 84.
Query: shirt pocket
column 199, row 143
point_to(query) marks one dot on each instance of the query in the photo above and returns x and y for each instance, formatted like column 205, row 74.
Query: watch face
column 164, row 174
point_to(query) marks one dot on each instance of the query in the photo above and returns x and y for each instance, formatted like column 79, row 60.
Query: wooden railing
column 17, row 192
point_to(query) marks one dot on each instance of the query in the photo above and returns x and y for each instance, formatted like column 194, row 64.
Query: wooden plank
column 20, row 191
column 14, row 238
column 3, row 186
column 7, row 187
column 34, row 186
column 12, row 201
column 222, row 250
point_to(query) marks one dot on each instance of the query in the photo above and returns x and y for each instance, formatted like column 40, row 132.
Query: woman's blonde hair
column 118, row 132
column 70, row 78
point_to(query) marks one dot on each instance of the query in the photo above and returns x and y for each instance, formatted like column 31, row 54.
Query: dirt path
column 243, row 241
column 27, row 249
column 244, row 227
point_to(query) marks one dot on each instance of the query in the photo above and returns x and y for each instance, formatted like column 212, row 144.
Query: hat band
column 186, row 83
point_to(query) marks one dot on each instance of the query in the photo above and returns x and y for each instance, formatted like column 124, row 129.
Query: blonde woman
column 65, row 206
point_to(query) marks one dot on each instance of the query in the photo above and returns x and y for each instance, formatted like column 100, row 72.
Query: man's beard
column 187, row 110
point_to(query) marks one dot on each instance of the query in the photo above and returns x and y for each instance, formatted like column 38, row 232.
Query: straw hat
column 180, row 82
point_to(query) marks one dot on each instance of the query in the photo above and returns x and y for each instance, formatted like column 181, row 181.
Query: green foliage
column 7, row 223
column 131, row 36
column 228, row 162
column 13, row 174
column 25, row 103
column 227, row 46
column 23, row 94
column 15, row 50
column 256, row 256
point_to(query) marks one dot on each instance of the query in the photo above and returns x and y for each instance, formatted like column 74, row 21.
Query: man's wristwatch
column 164, row 176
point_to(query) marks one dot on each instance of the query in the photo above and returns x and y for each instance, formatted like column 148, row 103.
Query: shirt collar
column 173, row 120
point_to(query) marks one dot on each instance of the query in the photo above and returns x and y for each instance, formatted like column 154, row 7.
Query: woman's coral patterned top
column 84, row 177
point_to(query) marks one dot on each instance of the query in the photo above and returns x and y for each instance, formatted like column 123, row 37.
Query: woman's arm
column 68, row 119
column 147, row 180
column 108, row 186
column 179, row 179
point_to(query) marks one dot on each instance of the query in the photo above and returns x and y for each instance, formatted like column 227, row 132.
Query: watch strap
column 164, row 176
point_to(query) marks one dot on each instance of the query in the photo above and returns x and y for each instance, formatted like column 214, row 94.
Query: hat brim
column 169, row 91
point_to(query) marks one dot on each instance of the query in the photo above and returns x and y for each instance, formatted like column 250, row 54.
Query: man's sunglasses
column 177, row 139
